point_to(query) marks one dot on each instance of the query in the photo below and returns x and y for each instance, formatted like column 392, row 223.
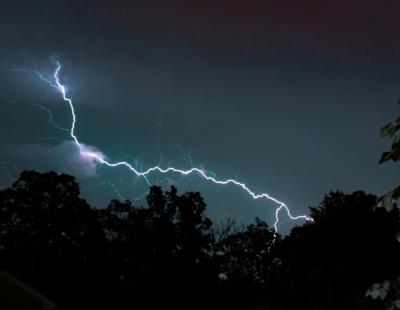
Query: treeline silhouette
column 170, row 255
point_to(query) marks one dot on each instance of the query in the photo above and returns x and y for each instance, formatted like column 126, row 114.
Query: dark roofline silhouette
column 47, row 303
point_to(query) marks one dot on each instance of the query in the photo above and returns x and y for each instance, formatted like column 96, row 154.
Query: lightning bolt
column 113, row 187
column 51, row 118
column 98, row 157
column 10, row 176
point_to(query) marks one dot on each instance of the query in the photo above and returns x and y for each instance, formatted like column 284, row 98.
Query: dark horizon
column 170, row 254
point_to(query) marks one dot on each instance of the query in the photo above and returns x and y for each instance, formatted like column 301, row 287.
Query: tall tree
column 47, row 232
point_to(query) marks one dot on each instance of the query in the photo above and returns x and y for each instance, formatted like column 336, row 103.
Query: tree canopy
column 169, row 254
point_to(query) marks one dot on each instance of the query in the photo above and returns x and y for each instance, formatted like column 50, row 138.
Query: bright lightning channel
column 203, row 174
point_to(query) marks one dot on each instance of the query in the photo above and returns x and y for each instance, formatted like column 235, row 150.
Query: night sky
column 286, row 96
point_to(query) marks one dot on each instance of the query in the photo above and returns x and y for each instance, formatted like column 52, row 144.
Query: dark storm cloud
column 364, row 26
column 288, row 95
column 352, row 23
column 63, row 157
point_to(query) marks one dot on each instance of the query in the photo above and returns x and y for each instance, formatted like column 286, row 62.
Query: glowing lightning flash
column 97, row 156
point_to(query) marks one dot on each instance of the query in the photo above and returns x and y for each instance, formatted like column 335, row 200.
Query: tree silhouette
column 161, row 249
column 47, row 232
column 248, row 264
column 247, row 256
column 329, row 263
column 168, row 254
column 389, row 290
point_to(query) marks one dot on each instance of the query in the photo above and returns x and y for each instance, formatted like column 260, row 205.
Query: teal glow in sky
column 292, row 106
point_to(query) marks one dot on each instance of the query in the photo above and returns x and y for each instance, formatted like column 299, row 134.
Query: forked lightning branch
column 100, row 159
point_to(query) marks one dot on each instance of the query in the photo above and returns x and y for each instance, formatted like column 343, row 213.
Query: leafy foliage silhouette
column 389, row 290
column 330, row 263
column 169, row 254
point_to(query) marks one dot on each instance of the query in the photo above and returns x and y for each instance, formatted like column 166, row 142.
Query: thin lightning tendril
column 51, row 118
column 113, row 187
column 145, row 173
